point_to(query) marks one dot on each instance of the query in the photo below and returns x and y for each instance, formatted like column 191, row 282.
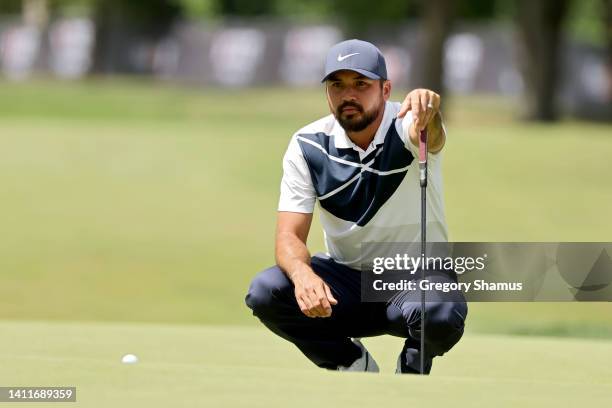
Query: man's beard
column 350, row 122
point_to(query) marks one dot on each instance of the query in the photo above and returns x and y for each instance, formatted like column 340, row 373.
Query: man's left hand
column 424, row 104
column 425, row 107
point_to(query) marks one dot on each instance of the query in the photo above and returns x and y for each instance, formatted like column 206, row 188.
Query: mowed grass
column 187, row 366
column 134, row 201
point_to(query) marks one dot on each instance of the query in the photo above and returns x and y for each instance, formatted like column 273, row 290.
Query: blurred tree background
column 542, row 27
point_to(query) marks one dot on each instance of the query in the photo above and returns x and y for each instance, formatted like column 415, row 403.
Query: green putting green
column 232, row 366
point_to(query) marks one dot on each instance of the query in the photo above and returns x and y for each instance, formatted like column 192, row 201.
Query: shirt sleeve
column 405, row 134
column 297, row 193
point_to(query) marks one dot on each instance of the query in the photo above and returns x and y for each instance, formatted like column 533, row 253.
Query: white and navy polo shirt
column 364, row 196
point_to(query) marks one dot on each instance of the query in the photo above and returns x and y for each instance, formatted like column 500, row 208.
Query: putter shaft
column 423, row 182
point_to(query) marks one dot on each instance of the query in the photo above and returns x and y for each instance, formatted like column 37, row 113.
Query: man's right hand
column 312, row 293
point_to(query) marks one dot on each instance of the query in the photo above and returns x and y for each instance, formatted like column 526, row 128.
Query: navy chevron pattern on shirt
column 353, row 189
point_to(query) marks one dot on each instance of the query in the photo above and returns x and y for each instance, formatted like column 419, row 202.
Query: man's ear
column 386, row 90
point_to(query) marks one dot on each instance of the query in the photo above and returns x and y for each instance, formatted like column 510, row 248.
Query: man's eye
column 335, row 84
column 361, row 83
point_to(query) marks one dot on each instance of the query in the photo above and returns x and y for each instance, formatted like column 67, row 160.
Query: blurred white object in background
column 235, row 55
column 462, row 58
column 304, row 52
column 594, row 79
column 19, row 48
column 398, row 64
column 71, row 46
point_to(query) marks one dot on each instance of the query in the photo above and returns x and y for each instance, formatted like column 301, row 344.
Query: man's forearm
column 292, row 255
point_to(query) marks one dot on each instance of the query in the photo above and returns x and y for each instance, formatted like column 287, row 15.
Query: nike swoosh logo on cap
column 343, row 57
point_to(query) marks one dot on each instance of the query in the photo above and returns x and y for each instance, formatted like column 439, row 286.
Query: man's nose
column 349, row 93
column 349, row 96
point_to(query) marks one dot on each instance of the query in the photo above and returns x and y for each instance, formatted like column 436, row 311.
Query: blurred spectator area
column 175, row 43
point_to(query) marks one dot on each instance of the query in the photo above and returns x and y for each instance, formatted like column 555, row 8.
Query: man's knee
column 264, row 290
column 444, row 323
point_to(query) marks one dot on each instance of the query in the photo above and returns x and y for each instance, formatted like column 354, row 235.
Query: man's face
column 355, row 100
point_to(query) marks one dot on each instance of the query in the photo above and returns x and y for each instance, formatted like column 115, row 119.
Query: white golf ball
column 129, row 359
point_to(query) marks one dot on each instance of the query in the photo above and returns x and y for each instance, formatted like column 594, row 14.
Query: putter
column 423, row 180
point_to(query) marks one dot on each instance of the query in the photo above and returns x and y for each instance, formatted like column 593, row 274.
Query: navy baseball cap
column 356, row 55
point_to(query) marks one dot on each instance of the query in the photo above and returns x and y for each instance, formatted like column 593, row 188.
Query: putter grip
column 423, row 158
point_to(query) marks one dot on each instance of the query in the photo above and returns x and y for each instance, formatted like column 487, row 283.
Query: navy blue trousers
column 326, row 341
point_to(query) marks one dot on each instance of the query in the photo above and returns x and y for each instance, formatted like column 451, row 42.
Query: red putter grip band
column 423, row 157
